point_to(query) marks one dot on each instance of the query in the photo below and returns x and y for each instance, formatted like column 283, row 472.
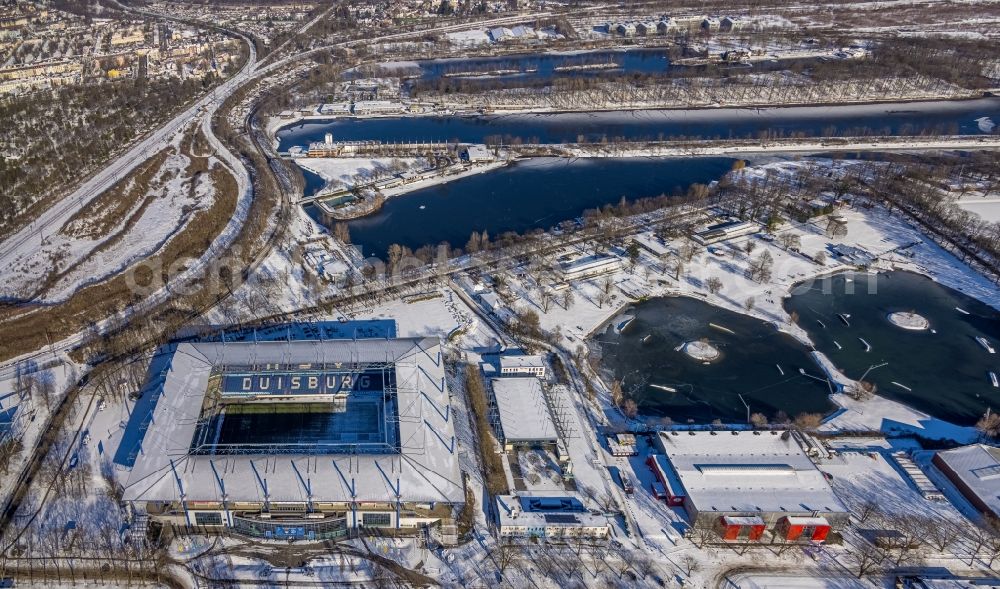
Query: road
column 32, row 236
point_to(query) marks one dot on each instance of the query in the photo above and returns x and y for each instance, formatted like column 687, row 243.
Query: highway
column 51, row 220
column 32, row 235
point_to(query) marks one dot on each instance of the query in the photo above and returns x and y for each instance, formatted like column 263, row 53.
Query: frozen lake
column 944, row 367
column 666, row 382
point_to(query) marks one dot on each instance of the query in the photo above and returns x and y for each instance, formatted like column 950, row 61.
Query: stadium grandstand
column 307, row 438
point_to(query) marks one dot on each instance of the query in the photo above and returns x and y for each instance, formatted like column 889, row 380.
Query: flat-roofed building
column 522, row 413
column 368, row 107
column 730, row 229
column 588, row 266
column 975, row 471
column 735, row 474
column 549, row 516
column 522, row 364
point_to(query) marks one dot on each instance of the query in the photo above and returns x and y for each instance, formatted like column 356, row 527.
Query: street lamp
column 745, row 405
column 870, row 368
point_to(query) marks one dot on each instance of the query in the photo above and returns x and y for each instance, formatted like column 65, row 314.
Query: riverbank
column 732, row 121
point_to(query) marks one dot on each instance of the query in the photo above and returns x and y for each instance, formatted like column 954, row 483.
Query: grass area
column 466, row 520
column 492, row 462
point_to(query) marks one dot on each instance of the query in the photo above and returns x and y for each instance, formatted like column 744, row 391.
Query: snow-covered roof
column 732, row 471
column 523, row 413
column 978, row 467
column 808, row 521
column 652, row 243
column 546, row 509
column 425, row 468
column 521, row 361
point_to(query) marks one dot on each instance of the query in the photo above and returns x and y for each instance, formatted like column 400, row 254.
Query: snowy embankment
column 194, row 268
column 348, row 173
column 351, row 172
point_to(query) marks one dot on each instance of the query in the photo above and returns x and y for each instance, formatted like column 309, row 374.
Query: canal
column 952, row 117
column 942, row 370
column 756, row 361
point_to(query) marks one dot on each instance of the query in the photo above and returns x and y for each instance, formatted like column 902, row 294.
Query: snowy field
column 986, row 207
column 83, row 252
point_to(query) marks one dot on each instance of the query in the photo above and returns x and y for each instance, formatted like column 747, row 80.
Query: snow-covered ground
column 874, row 230
column 50, row 379
column 351, row 172
column 987, row 207
column 84, row 257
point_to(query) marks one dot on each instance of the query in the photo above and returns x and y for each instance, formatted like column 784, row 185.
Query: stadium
column 297, row 439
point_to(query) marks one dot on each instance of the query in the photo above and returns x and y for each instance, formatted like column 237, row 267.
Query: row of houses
column 668, row 25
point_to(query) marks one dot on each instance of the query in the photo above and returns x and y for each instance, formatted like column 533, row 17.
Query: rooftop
column 524, row 415
column 521, row 361
column 747, row 472
column 534, row 510
column 978, row 466
column 421, row 466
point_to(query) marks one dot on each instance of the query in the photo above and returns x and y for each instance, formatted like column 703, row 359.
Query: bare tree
column 567, row 298
column 688, row 565
column 939, row 532
column 713, row 284
column 868, row 560
column 545, row 298
column 505, row 554
column 866, row 510
column 759, row 269
column 607, row 285
column 989, row 424
column 790, row 241
column 644, row 565
column 701, row 535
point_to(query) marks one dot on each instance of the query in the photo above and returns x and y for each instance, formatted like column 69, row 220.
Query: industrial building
column 975, row 472
column 522, row 416
column 549, row 516
column 743, row 482
column 296, row 439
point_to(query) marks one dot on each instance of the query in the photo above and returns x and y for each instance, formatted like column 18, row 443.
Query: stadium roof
column 524, row 416
column 747, row 472
column 424, row 470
